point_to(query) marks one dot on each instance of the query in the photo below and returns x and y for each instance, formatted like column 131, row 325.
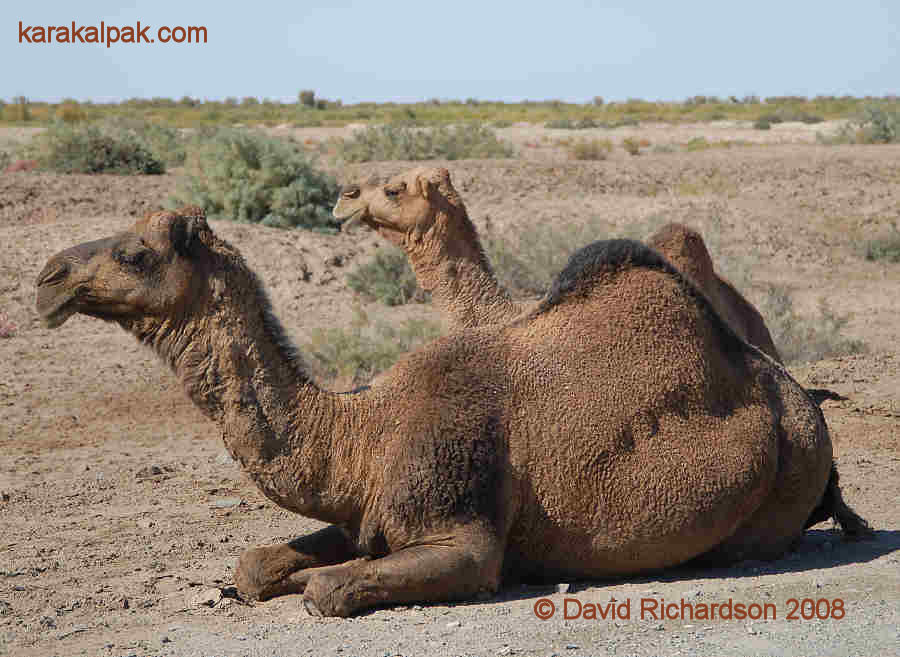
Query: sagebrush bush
column 527, row 262
column 803, row 338
column 593, row 149
column 387, row 278
column 402, row 142
column 164, row 142
column 6, row 156
column 246, row 176
column 877, row 125
column 88, row 148
column 886, row 247
column 631, row 145
column 354, row 355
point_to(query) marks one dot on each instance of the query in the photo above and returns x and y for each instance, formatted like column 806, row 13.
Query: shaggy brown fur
column 620, row 428
column 421, row 212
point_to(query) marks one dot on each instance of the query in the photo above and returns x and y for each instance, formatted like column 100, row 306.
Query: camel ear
column 191, row 221
column 436, row 180
column 424, row 186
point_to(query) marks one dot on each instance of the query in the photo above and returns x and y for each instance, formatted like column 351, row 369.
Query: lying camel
column 620, row 427
column 422, row 213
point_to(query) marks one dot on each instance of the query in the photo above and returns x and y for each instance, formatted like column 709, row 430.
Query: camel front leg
column 265, row 572
column 421, row 573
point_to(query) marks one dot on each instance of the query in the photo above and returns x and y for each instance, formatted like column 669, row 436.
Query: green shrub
column 87, row 148
column 583, row 123
column 164, row 142
column 560, row 124
column 387, row 278
column 355, row 354
column 247, row 176
column 631, row 145
column 878, row 125
column 874, row 125
column 762, row 124
column 884, row 248
column 594, row 149
column 698, row 144
column 402, row 142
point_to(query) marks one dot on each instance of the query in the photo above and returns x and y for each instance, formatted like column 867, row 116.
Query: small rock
column 145, row 523
column 571, row 646
column 224, row 459
column 5, row 608
column 4, row 497
column 750, row 629
column 563, row 588
column 125, row 603
column 453, row 625
column 149, row 471
column 207, row 598
column 227, row 503
column 334, row 261
column 165, row 639
column 659, row 627
column 505, row 650
column 48, row 622
column 691, row 593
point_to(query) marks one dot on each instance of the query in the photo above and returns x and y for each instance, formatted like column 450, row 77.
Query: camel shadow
column 817, row 549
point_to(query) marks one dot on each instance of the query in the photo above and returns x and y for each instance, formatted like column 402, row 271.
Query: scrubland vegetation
column 239, row 173
column 308, row 110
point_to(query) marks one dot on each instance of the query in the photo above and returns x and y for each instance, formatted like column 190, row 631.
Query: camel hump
column 605, row 257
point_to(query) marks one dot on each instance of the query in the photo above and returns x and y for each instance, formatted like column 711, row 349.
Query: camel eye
column 135, row 259
column 393, row 192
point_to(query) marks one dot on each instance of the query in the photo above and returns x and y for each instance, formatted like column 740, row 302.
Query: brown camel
column 422, row 213
column 619, row 428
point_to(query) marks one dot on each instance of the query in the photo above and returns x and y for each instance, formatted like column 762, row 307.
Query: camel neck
column 451, row 264
column 239, row 368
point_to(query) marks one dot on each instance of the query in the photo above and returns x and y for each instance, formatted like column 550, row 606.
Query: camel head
column 684, row 248
column 405, row 207
column 146, row 271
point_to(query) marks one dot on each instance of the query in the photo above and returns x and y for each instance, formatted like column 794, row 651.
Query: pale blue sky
column 411, row 51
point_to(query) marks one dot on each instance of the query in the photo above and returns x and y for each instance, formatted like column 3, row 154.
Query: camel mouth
column 348, row 219
column 56, row 315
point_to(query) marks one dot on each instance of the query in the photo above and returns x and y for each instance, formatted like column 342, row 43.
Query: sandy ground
column 121, row 511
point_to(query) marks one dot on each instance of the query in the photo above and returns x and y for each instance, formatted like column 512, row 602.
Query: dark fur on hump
column 609, row 256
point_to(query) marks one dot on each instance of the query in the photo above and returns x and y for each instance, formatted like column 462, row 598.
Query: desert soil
column 122, row 515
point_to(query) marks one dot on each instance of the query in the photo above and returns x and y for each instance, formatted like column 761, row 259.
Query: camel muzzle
column 55, row 291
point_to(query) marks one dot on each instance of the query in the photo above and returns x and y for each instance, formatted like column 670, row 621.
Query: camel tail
column 833, row 506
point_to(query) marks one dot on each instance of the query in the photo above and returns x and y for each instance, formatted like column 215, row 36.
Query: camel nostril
column 82, row 291
column 351, row 192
